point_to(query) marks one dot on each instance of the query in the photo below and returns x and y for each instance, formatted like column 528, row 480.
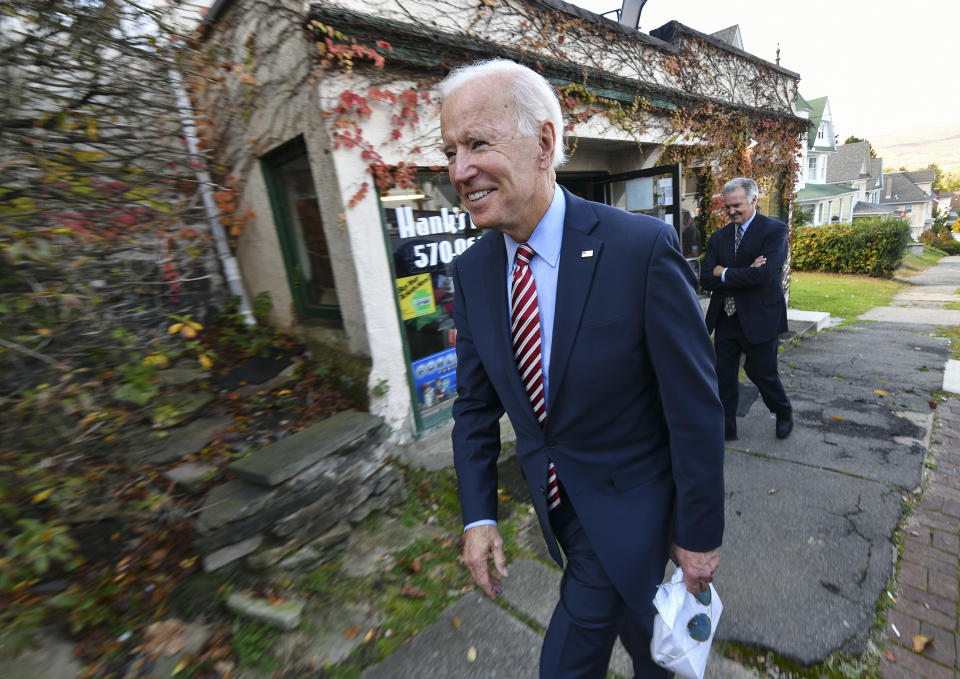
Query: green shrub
column 872, row 247
column 942, row 239
column 952, row 248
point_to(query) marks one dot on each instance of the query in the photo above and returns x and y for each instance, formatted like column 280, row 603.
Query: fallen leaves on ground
column 164, row 638
column 352, row 632
column 412, row 591
column 472, row 654
column 889, row 655
column 921, row 642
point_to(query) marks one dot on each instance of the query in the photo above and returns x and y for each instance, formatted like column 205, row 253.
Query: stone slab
column 190, row 475
column 284, row 615
column 227, row 555
column 177, row 377
column 894, row 314
column 171, row 409
column 504, row 646
column 52, row 658
column 369, row 551
column 821, row 319
column 194, row 636
column 326, row 639
column 951, row 376
column 186, row 440
column 231, row 501
column 807, row 553
column 274, row 464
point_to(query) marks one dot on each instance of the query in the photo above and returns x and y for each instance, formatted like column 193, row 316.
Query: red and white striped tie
column 525, row 328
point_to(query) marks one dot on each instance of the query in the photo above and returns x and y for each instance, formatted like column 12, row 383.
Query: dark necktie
column 729, row 305
column 525, row 329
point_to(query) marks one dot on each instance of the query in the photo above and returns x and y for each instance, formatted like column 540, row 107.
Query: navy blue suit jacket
column 634, row 424
column 758, row 291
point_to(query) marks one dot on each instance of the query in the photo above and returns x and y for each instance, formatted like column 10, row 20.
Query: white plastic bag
column 672, row 645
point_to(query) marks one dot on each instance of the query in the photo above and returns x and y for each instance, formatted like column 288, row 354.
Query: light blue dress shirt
column 546, row 240
column 723, row 274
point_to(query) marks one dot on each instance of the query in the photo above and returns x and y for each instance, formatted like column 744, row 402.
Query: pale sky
column 886, row 66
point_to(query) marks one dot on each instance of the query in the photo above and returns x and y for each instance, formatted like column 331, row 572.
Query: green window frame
column 296, row 213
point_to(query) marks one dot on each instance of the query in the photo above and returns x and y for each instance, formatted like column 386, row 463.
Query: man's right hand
column 480, row 544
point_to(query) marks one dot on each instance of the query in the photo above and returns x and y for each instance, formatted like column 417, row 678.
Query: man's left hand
column 718, row 271
column 698, row 567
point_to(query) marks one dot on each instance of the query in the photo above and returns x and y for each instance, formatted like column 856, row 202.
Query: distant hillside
column 915, row 149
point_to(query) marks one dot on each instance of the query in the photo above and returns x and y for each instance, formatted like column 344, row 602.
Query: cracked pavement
column 808, row 549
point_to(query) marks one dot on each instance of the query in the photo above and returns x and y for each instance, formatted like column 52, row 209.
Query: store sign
column 446, row 222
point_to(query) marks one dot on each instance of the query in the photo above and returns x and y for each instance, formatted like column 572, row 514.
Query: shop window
column 426, row 231
column 293, row 198
column 770, row 201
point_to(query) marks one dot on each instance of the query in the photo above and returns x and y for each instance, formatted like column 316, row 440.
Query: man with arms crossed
column 743, row 268
column 581, row 322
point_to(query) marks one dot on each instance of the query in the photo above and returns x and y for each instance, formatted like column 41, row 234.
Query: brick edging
column 928, row 584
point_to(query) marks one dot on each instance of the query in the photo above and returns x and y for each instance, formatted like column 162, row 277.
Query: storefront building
column 325, row 119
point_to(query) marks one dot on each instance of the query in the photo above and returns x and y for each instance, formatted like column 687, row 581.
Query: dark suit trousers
column 760, row 365
column 591, row 613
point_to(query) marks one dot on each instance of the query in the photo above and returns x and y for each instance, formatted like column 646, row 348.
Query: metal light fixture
column 406, row 196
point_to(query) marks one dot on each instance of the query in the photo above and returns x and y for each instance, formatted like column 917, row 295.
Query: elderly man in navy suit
column 743, row 269
column 581, row 322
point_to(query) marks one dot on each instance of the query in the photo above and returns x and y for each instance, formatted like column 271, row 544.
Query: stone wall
column 295, row 500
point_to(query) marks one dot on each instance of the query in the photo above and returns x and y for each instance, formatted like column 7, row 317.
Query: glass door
column 656, row 191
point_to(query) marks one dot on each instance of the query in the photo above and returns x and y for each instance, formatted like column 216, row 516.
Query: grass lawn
column 842, row 295
column 913, row 265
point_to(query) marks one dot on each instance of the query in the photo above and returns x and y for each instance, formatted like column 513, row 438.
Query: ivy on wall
column 716, row 116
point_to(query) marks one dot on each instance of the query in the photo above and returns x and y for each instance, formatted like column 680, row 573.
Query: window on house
column 812, row 165
column 293, row 197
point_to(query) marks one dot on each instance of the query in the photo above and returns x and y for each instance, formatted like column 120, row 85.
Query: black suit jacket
column 758, row 291
column 634, row 424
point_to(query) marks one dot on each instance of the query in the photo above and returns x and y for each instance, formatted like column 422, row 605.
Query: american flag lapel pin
column 586, row 253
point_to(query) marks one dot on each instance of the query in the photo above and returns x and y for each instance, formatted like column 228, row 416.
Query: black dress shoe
column 730, row 435
column 784, row 426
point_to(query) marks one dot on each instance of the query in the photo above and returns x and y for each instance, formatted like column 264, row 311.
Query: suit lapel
column 573, row 286
column 756, row 226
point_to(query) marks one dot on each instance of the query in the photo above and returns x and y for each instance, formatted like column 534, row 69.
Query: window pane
column 427, row 230
column 311, row 257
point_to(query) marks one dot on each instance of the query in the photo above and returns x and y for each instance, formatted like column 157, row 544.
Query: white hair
column 748, row 185
column 534, row 99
